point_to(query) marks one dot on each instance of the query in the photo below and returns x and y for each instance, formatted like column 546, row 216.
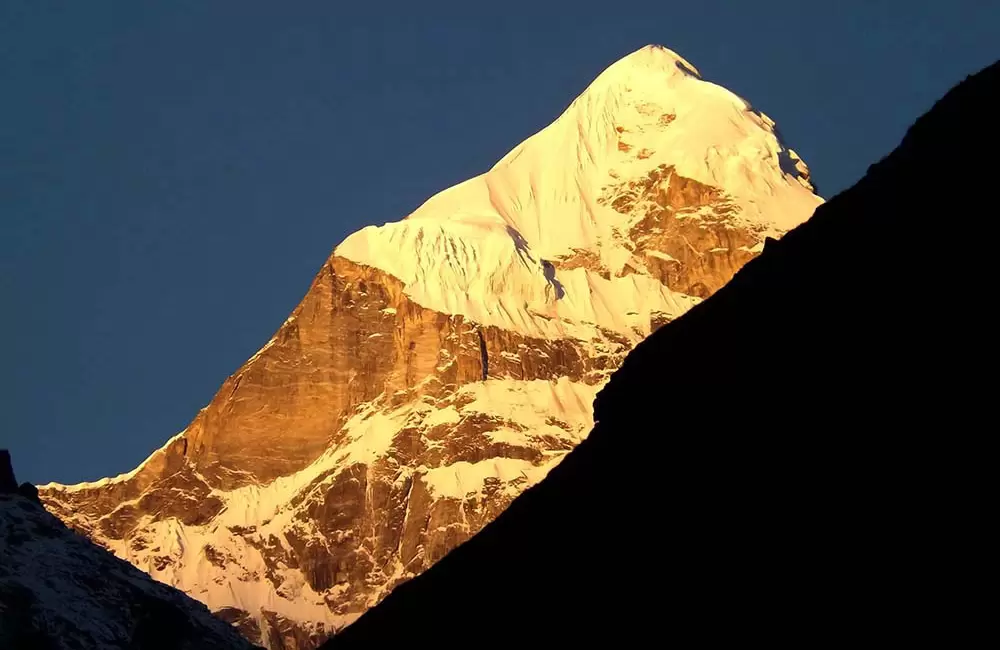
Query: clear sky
column 173, row 174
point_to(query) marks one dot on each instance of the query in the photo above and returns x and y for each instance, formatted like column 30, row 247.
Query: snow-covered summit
column 655, row 57
column 477, row 247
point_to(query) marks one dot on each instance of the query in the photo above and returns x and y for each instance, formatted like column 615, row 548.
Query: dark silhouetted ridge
column 831, row 492
column 8, row 484
column 60, row 591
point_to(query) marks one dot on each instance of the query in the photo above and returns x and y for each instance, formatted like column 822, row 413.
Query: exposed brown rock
column 282, row 634
column 685, row 235
column 246, row 624
column 273, row 629
column 583, row 258
column 354, row 337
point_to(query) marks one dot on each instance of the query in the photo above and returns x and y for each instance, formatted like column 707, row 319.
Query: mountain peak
column 441, row 364
column 479, row 248
column 657, row 57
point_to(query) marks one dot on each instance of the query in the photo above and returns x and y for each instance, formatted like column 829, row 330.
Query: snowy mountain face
column 440, row 365
column 60, row 591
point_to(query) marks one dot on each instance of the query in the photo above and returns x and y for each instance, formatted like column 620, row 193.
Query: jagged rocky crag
column 8, row 483
column 834, row 492
column 440, row 365
column 60, row 591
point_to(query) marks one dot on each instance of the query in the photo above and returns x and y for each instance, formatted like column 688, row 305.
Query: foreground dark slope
column 830, row 494
column 59, row 591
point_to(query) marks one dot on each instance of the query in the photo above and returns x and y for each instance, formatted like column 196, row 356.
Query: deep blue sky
column 171, row 177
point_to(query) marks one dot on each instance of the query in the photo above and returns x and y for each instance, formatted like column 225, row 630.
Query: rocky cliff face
column 439, row 366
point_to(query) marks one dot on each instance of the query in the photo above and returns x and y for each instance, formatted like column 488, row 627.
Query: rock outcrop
column 8, row 484
column 440, row 365
column 835, row 491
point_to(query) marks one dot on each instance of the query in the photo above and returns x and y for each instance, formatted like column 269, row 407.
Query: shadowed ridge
column 60, row 591
column 8, row 483
column 833, row 495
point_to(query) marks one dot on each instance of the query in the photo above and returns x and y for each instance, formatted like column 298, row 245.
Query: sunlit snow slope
column 440, row 365
column 481, row 246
